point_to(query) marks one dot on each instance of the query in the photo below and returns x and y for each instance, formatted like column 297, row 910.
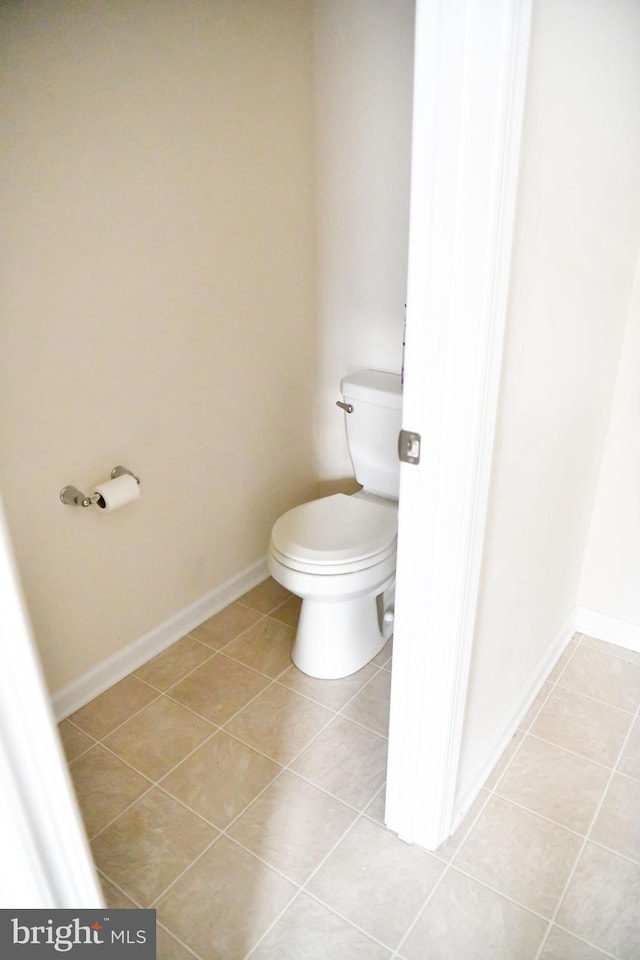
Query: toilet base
column 337, row 638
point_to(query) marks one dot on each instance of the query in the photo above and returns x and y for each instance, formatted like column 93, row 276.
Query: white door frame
column 46, row 858
column 469, row 86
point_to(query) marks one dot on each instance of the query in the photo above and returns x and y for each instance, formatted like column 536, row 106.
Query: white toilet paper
column 117, row 492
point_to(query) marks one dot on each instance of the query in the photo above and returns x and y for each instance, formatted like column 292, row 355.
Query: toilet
column 338, row 553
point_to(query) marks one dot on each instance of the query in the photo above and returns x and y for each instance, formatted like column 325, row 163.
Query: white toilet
column 339, row 553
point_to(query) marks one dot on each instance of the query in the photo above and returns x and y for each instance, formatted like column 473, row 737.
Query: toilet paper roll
column 113, row 494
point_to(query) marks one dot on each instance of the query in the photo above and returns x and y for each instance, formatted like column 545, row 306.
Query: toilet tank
column 372, row 429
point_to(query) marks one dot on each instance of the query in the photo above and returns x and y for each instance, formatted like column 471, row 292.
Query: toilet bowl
column 338, row 553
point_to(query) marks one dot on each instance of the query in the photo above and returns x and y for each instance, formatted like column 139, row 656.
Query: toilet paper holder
column 75, row 498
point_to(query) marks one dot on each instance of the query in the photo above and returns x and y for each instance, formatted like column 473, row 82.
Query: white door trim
column 46, row 857
column 469, row 86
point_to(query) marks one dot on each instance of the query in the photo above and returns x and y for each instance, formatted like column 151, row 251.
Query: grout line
column 572, row 753
column 536, row 813
column 634, row 861
column 163, row 893
column 126, row 809
column 587, row 696
column 303, row 888
column 174, row 936
column 448, row 866
column 587, row 836
column 102, row 873
column 602, row 950
column 483, row 883
column 165, row 690
column 407, row 933
column 610, row 649
column 194, row 713
column 236, row 636
column 75, row 726
column 100, row 740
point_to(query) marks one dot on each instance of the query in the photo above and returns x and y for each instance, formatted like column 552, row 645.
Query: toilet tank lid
column 374, row 386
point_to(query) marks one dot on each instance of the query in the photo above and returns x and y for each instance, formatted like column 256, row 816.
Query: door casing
column 469, row 92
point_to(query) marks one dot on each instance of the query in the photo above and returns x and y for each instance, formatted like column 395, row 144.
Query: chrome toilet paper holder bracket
column 76, row 498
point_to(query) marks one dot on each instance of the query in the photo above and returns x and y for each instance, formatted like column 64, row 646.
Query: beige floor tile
column 150, row 845
column 376, row 881
column 333, row 694
column 383, row 658
column 375, row 810
column 173, row 664
column 556, row 784
column 504, row 760
column 590, row 641
column 265, row 597
column 265, row 647
column 371, row 706
column 563, row 661
column 226, row 625
column 104, row 786
column 159, row 737
column 308, row 931
column 563, row 946
column 630, row 760
column 225, row 903
column 279, row 722
column 219, row 688
column 535, row 707
column 448, row 849
column 519, row 854
column 74, row 741
column 583, row 726
column 347, row 761
column 611, row 648
column 220, row 779
column 115, row 899
column 617, row 825
column 292, row 826
column 288, row 612
column 602, row 904
column 117, row 704
column 168, row 948
column 466, row 921
column 604, row 677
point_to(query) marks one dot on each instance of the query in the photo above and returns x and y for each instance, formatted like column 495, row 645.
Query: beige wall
column 610, row 582
column 158, row 294
column 363, row 80
column 577, row 235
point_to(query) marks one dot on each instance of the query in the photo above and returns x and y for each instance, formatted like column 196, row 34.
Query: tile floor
column 244, row 801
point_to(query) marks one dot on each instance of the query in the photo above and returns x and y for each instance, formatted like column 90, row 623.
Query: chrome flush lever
column 347, row 407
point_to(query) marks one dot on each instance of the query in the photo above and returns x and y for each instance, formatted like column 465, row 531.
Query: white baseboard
column 79, row 692
column 471, row 786
column 601, row 627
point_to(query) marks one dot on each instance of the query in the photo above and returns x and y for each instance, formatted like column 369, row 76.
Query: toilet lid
column 337, row 529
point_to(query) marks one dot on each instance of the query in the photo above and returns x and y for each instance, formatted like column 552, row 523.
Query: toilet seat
column 333, row 535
